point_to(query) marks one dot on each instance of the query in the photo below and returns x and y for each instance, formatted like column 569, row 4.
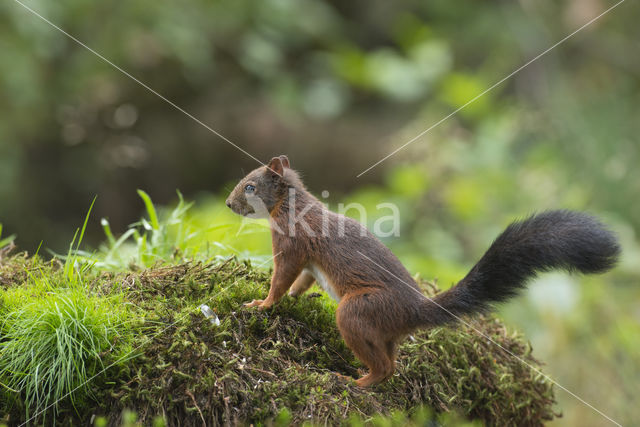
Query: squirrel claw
column 255, row 302
column 258, row 303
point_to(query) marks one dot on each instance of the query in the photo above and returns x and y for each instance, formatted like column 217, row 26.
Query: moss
column 262, row 367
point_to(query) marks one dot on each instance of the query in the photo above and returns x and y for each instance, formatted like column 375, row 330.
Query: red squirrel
column 378, row 300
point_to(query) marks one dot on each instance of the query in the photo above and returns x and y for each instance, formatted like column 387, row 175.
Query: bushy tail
column 564, row 240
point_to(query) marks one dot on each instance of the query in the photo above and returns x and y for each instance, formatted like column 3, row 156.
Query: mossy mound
column 256, row 365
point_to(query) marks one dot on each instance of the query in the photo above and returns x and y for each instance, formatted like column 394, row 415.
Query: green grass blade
column 72, row 255
column 107, row 231
column 151, row 210
column 4, row 242
column 86, row 221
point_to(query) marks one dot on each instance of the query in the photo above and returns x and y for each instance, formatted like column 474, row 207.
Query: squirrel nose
column 228, row 203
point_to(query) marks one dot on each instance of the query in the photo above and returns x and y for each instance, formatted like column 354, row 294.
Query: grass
column 173, row 235
column 146, row 241
column 132, row 326
column 54, row 335
column 53, row 341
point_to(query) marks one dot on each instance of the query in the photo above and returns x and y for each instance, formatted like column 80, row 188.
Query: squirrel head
column 263, row 189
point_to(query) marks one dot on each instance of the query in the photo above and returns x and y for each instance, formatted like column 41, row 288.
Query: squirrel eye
column 249, row 188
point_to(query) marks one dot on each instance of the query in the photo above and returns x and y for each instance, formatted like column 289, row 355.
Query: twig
column 204, row 423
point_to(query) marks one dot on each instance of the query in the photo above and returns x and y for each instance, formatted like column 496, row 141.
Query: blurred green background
column 337, row 86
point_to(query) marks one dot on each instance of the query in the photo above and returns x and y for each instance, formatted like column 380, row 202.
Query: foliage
column 55, row 336
column 147, row 241
column 174, row 235
column 256, row 364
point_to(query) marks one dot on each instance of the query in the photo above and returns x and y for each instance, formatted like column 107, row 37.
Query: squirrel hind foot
column 371, row 379
column 367, row 380
column 345, row 378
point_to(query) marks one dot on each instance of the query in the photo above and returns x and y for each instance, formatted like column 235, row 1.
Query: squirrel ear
column 285, row 161
column 275, row 166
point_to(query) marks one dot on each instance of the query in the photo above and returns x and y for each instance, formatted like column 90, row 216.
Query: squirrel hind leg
column 375, row 356
column 372, row 347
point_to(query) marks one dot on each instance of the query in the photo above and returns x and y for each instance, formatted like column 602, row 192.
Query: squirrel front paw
column 253, row 303
column 258, row 303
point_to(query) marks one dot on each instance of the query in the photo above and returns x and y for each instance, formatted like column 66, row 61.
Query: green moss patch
column 281, row 364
